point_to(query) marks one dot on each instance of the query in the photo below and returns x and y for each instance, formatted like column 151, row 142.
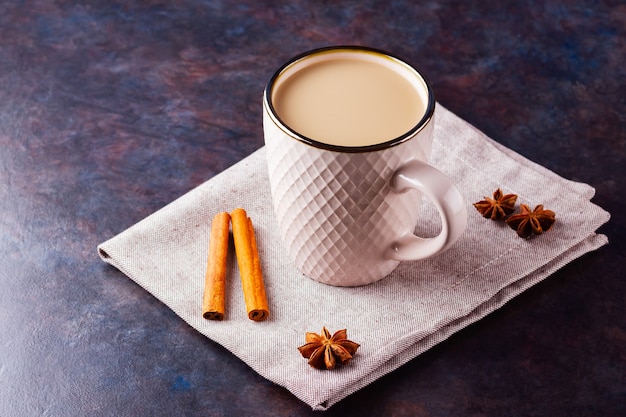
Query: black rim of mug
column 430, row 107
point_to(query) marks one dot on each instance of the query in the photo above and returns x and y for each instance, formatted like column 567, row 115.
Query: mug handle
column 449, row 203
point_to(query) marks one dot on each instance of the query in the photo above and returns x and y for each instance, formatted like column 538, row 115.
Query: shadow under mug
column 346, row 211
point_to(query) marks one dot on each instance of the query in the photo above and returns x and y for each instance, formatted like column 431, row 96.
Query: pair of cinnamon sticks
column 213, row 301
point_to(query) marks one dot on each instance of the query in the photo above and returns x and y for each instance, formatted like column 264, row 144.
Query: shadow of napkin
column 417, row 306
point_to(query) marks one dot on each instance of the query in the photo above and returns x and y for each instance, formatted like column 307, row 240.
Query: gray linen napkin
column 417, row 306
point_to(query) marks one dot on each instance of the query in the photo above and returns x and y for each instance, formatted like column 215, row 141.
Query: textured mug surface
column 347, row 214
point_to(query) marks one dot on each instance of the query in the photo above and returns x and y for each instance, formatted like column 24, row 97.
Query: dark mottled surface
column 111, row 109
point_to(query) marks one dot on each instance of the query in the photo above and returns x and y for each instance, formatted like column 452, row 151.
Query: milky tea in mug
column 349, row 102
column 348, row 132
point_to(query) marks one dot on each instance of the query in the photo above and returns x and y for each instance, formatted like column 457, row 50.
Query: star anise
column 528, row 223
column 498, row 207
column 323, row 351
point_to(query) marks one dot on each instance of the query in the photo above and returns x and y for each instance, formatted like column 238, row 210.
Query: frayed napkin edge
column 442, row 333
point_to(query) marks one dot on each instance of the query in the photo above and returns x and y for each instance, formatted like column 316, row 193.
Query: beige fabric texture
column 416, row 307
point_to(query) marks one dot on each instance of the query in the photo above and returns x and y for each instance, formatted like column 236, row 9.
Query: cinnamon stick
column 215, row 277
column 249, row 266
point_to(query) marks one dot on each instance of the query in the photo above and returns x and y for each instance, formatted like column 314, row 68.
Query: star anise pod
column 535, row 222
column 498, row 207
column 323, row 351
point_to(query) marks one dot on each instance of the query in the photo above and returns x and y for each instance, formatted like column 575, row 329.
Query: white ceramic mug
column 347, row 191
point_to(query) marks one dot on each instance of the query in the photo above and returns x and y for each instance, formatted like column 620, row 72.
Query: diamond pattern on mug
column 334, row 209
